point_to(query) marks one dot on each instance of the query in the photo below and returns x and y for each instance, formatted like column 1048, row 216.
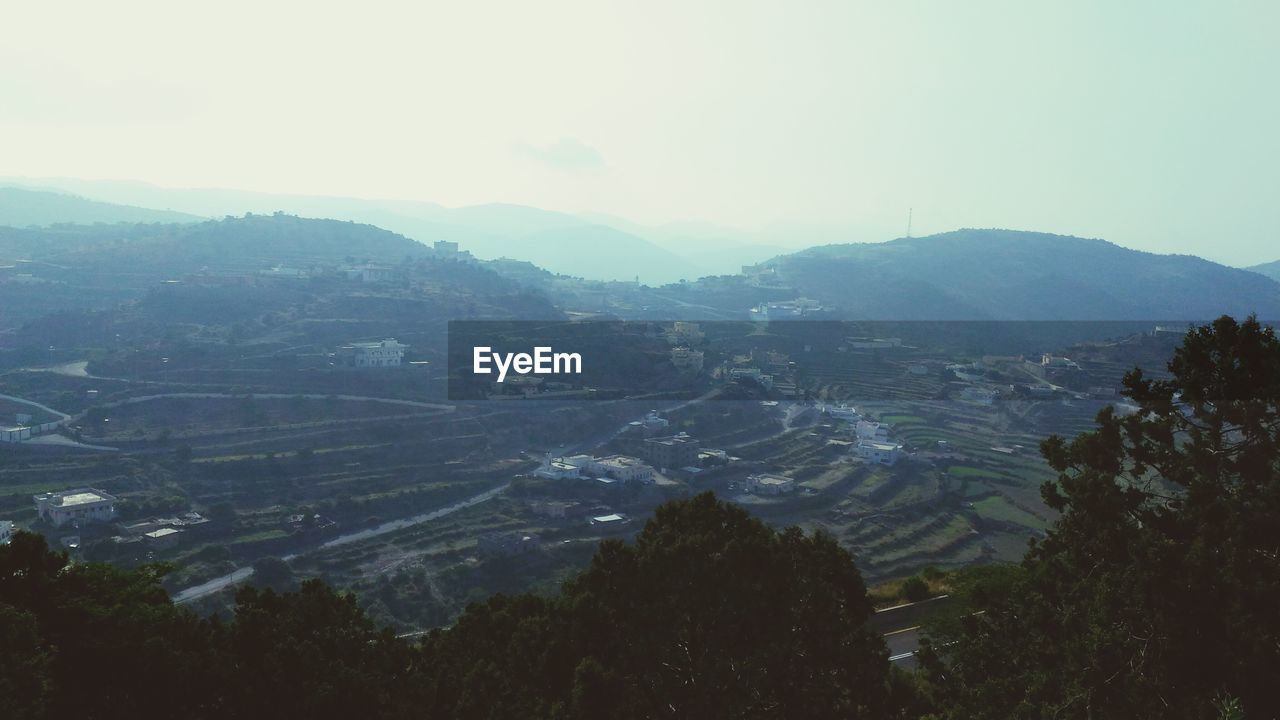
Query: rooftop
column 79, row 496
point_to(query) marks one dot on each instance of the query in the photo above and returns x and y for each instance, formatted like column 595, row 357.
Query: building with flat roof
column 609, row 521
column 769, row 484
column 162, row 539
column 675, row 451
column 618, row 468
column 79, row 505
column 881, row 453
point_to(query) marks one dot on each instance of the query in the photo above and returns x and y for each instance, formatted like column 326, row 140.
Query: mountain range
column 1008, row 275
column 594, row 247
column 966, row 274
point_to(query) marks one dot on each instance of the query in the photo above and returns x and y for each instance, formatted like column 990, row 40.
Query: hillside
column 1271, row 269
column 226, row 270
column 592, row 247
column 24, row 207
column 1013, row 275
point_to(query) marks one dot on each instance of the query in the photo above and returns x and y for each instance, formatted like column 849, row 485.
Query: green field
column 999, row 509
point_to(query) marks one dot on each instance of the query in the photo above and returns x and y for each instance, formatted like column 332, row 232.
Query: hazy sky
column 1152, row 124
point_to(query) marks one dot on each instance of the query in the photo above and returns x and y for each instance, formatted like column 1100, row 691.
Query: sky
column 1150, row 124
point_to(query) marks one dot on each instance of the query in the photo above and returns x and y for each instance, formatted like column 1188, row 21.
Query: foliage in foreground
column 710, row 613
column 1157, row 592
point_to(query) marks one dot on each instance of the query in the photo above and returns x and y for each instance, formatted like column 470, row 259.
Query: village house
column 878, row 452
column 768, row 484
column 677, row 451
column 79, row 505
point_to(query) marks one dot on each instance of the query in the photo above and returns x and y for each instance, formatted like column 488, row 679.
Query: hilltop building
column 79, row 505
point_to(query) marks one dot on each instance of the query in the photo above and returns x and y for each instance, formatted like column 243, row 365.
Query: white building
column 385, row 353
column 614, row 467
column 79, row 505
column 6, row 532
column 769, row 484
column 609, row 521
column 162, row 539
column 882, row 453
column 844, row 412
column 556, row 469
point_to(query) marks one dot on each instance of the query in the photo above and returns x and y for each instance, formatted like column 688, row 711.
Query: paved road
column 902, row 646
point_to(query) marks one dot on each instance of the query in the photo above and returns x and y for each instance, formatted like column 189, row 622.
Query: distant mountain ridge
column 1007, row 275
column 25, row 207
column 592, row 247
column 1271, row 269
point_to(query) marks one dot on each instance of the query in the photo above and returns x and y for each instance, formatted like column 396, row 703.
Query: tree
column 710, row 613
column 1154, row 594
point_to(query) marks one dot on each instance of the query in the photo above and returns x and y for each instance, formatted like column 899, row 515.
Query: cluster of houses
column 365, row 272
column 872, row 441
column 79, row 507
column 609, row 470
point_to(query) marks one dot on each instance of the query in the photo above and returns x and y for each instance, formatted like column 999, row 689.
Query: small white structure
column 6, row 532
column 79, row 505
column 382, row 354
column 556, row 469
column 844, row 412
column 881, row 453
column 769, row 484
column 162, row 539
column 1056, row 362
column 609, row 521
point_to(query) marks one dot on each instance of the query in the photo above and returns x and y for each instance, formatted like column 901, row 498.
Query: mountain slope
column 1271, row 269
column 23, row 207
column 560, row 242
column 1006, row 275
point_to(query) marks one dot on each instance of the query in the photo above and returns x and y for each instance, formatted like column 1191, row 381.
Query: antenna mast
column 909, row 213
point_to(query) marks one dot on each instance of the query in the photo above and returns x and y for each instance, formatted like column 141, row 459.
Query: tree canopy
column 1155, row 593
